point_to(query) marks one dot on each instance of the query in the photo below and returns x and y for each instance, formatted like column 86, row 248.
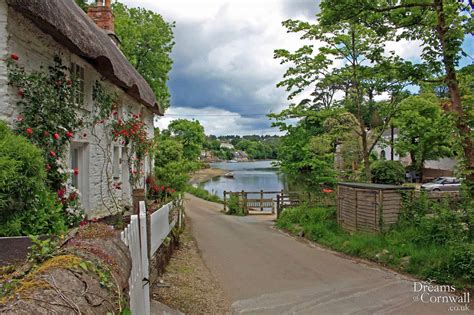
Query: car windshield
column 439, row 180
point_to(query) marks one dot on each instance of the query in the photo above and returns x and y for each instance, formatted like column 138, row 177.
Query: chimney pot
column 102, row 15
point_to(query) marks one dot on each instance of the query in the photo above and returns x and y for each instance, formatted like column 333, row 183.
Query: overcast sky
column 224, row 73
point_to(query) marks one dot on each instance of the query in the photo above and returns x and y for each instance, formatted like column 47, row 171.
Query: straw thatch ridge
column 72, row 28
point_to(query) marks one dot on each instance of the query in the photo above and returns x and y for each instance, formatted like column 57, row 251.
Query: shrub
column 175, row 174
column 26, row 206
column 234, row 207
column 388, row 172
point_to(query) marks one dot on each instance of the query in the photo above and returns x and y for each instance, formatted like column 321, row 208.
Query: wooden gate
column 135, row 237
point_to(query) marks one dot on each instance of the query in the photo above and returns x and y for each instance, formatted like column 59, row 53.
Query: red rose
column 56, row 136
column 61, row 193
column 83, row 223
column 14, row 56
column 52, row 153
column 69, row 82
column 29, row 131
column 21, row 93
column 173, row 191
column 76, row 171
column 94, row 219
column 72, row 196
column 69, row 134
column 162, row 188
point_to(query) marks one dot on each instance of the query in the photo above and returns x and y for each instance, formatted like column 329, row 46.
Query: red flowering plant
column 48, row 116
column 47, row 113
column 159, row 194
column 131, row 132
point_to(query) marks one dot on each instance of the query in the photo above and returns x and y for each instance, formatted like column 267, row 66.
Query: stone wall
column 36, row 51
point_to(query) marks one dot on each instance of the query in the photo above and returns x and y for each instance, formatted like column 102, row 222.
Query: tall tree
column 349, row 59
column 191, row 134
column 441, row 26
column 82, row 4
column 147, row 41
column 424, row 130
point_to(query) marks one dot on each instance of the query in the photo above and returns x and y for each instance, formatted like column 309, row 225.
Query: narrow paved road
column 264, row 271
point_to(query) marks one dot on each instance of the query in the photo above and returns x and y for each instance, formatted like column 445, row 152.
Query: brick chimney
column 102, row 15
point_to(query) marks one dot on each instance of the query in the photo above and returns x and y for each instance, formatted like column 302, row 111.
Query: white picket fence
column 135, row 237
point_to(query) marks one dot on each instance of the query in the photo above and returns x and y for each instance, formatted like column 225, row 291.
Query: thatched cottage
column 38, row 30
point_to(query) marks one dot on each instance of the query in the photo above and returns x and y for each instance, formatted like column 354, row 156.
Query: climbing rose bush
column 48, row 118
column 131, row 132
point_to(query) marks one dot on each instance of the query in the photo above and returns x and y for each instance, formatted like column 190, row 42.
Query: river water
column 248, row 176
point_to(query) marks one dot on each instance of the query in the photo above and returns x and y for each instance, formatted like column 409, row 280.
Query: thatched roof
column 72, row 28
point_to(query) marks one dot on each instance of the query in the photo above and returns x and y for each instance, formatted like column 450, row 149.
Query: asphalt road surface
column 265, row 271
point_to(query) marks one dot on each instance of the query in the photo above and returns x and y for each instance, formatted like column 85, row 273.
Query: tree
column 425, row 132
column 304, row 150
column 147, row 42
column 191, row 135
column 441, row 27
column 82, row 4
column 349, row 59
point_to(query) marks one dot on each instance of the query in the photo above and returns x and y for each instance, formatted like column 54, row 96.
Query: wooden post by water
column 278, row 206
column 244, row 202
column 261, row 200
column 225, row 202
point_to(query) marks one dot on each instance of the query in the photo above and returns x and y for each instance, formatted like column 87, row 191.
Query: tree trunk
column 453, row 86
column 420, row 169
column 365, row 153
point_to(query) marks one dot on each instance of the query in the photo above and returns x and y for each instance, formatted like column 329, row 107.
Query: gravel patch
column 188, row 285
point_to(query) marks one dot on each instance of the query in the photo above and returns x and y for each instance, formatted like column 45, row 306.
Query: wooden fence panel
column 139, row 300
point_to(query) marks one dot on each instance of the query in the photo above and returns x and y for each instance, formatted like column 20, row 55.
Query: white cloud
column 218, row 121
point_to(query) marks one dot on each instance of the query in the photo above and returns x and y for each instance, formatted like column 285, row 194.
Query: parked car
column 443, row 184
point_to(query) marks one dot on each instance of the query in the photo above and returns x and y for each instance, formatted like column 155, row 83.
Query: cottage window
column 77, row 74
column 75, row 165
column 79, row 161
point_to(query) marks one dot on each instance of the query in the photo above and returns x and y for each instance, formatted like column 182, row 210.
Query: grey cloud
column 298, row 8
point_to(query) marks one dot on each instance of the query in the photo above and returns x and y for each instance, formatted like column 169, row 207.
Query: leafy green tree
column 303, row 151
column 191, row 135
column 147, row 41
column 168, row 150
column 425, row 131
column 441, row 26
column 349, row 59
column 82, row 4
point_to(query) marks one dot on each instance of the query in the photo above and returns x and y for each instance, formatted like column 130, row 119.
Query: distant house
column 431, row 169
column 37, row 30
column 225, row 145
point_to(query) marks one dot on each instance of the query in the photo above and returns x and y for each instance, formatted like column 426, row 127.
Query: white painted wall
column 35, row 49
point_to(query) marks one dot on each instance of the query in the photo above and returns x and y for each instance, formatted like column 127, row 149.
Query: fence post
column 144, row 255
column 261, row 200
column 278, row 206
column 244, row 201
column 225, row 202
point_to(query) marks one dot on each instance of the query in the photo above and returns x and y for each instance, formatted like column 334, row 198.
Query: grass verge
column 435, row 246
column 202, row 193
